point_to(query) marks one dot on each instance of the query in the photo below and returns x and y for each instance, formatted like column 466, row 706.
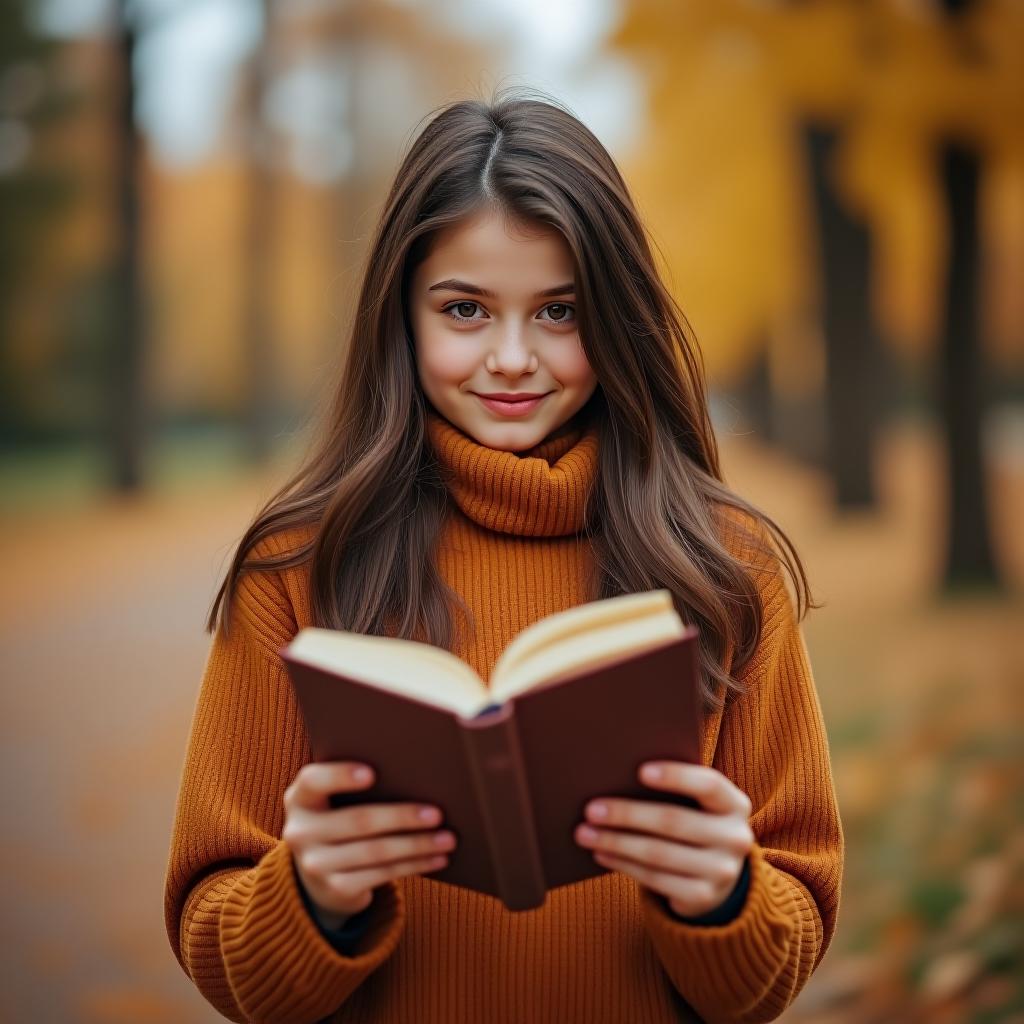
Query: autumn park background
column 837, row 193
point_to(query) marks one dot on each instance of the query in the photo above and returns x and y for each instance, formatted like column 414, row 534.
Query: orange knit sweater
column 602, row 950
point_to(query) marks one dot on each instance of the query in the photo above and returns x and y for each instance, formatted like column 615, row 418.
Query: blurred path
column 923, row 699
column 103, row 651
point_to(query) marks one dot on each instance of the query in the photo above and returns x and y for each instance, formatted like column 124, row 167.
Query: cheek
column 441, row 357
column 571, row 366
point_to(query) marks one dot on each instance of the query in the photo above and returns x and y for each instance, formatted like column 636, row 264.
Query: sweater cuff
column 740, row 956
column 283, row 964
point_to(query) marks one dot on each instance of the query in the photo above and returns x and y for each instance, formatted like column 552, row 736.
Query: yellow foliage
column 721, row 174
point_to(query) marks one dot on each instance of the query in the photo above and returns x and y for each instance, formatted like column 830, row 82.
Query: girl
column 521, row 426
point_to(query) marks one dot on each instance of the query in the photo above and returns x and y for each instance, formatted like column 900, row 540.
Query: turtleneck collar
column 539, row 492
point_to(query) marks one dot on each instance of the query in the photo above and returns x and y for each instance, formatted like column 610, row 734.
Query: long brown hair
column 372, row 493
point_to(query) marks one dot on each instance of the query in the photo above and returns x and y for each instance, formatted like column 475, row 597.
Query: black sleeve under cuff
column 343, row 939
column 727, row 910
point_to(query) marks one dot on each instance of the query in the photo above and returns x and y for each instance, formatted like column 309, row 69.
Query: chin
column 511, row 436
column 507, row 437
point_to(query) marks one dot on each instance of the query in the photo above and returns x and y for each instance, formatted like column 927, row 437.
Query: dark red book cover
column 513, row 781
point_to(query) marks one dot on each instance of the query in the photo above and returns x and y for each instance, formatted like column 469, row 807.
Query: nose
column 511, row 355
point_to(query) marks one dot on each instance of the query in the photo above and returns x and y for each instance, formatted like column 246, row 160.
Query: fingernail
column 587, row 833
column 362, row 774
column 597, row 811
column 428, row 814
column 652, row 772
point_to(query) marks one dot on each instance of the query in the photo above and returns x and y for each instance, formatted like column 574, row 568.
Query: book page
column 405, row 667
column 578, row 619
column 583, row 638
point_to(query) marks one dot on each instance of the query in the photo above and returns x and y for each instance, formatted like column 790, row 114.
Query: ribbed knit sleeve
column 773, row 745
column 233, row 907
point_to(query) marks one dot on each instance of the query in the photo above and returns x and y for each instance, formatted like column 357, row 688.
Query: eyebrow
column 453, row 285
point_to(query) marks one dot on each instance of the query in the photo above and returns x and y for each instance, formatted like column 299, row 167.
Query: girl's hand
column 342, row 854
column 692, row 856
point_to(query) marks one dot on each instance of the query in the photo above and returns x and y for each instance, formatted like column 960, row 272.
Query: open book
column 576, row 702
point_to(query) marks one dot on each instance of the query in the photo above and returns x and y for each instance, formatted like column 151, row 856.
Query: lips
column 503, row 396
column 517, row 405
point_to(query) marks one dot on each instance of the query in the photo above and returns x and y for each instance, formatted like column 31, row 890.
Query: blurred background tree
column 128, row 329
column 831, row 261
column 33, row 101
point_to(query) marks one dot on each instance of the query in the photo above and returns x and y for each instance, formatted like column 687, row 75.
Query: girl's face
column 492, row 312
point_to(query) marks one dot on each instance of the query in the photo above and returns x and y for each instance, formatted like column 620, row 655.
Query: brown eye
column 560, row 312
column 462, row 310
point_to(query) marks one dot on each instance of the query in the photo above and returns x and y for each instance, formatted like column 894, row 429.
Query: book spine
column 495, row 762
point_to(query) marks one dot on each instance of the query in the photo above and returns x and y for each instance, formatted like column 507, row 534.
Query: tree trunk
column 962, row 403
column 260, row 413
column 756, row 393
column 851, row 346
column 125, row 421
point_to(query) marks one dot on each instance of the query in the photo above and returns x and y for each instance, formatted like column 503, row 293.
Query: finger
column 717, row 793
column 305, row 827
column 661, row 854
column 694, row 895
column 315, row 782
column 365, row 820
column 683, row 824
column 369, row 853
column 348, row 884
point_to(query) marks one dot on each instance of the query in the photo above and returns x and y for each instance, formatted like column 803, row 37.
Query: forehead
column 495, row 253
